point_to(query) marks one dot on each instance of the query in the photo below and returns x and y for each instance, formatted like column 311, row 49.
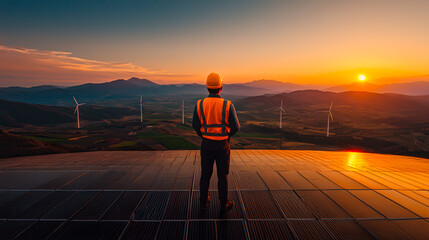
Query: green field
column 256, row 135
column 124, row 144
column 46, row 139
column 172, row 142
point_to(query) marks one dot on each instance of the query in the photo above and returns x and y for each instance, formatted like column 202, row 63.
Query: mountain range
column 133, row 87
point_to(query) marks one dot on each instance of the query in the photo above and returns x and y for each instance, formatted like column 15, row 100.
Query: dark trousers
column 212, row 150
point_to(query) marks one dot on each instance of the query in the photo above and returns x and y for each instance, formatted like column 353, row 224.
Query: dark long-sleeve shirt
column 234, row 124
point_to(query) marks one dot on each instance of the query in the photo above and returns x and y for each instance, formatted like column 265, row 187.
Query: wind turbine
column 281, row 109
column 77, row 111
column 329, row 118
column 141, row 109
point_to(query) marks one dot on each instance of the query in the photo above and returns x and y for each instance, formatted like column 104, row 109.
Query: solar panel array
column 279, row 194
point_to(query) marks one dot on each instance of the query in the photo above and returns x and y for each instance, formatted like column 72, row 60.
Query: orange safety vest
column 213, row 113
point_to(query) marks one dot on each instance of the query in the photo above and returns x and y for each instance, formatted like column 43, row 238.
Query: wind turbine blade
column 332, row 118
column 330, row 107
column 283, row 110
column 75, row 100
column 76, row 109
column 81, row 104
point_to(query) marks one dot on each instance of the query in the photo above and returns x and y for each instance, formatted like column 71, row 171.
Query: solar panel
column 230, row 229
column 71, row 206
column 269, row 229
column 416, row 228
column 141, row 230
column 384, row 229
column 355, row 207
column 292, row 205
column 383, row 205
column 39, row 230
column 309, row 229
column 214, row 210
column 321, row 205
column 6, row 196
column 123, row 208
column 347, row 229
column 43, row 206
column 11, row 229
column 260, row 205
column 153, row 206
column 172, row 230
column 178, row 205
column 98, row 206
column 22, row 202
column 201, row 230
column 89, row 230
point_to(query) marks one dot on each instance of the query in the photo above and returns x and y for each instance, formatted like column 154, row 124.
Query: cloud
column 28, row 67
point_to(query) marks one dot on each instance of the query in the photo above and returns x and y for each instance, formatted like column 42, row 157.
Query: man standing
column 215, row 121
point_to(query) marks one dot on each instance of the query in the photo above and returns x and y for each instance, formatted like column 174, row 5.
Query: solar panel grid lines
column 273, row 180
column 342, row 180
column 309, row 229
column 292, row 205
column 153, row 206
column 415, row 178
column 322, row 206
column 383, row 205
column 318, row 180
column 43, row 206
column 71, row 206
column 214, row 209
column 39, row 230
column 269, row 229
column 368, row 182
column 178, row 205
column 406, row 202
column 352, row 205
column 171, row 230
column 10, row 229
column 404, row 185
column 125, row 206
column 416, row 228
column 384, row 230
column 417, row 197
column 297, row 181
column 347, row 229
column 21, row 202
column 407, row 180
column 423, row 193
column 259, row 204
column 98, row 205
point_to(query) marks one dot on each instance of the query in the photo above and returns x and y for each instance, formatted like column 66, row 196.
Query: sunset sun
column 362, row 78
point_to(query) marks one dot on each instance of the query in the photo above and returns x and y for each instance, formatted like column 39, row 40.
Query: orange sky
column 310, row 42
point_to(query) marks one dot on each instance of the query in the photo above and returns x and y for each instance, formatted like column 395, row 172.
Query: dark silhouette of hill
column 16, row 114
column 118, row 89
column 367, row 104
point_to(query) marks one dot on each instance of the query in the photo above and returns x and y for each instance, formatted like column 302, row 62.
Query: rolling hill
column 16, row 114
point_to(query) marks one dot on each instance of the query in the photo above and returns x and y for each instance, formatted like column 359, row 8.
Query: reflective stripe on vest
column 206, row 126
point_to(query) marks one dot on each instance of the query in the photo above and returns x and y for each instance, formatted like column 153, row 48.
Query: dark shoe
column 227, row 206
column 205, row 205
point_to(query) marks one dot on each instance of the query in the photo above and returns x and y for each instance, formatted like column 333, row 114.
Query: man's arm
column 196, row 124
column 234, row 124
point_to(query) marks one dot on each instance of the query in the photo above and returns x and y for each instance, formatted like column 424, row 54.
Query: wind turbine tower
column 141, row 109
column 77, row 111
column 330, row 118
column 281, row 109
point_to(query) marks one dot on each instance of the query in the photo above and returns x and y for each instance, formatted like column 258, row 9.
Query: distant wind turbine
column 329, row 118
column 281, row 109
column 77, row 111
column 141, row 109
